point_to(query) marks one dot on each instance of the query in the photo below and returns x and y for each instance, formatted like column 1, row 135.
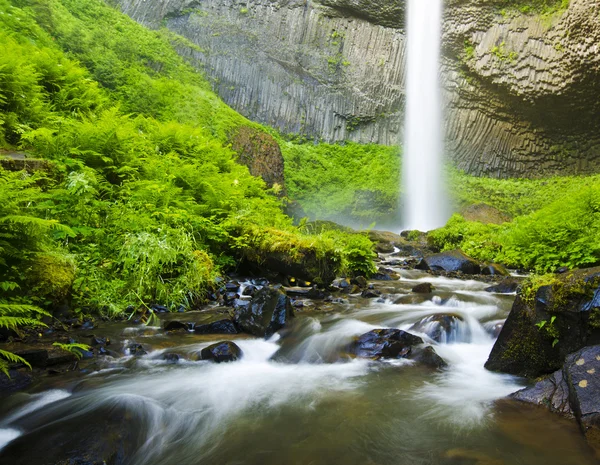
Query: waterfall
column 424, row 197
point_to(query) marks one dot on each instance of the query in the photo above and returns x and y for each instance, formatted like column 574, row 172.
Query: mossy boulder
column 553, row 316
column 260, row 152
column 269, row 311
column 51, row 275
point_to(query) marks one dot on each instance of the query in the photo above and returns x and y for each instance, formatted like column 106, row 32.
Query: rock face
column 548, row 322
column 520, row 90
column 269, row 310
column 573, row 391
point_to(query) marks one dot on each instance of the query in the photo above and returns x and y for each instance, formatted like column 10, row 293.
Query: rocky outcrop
column 548, row 321
column 269, row 311
column 521, row 90
column 573, row 391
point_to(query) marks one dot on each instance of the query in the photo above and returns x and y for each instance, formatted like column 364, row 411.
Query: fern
column 75, row 348
column 9, row 357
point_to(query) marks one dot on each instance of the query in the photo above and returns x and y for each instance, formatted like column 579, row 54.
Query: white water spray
column 424, row 199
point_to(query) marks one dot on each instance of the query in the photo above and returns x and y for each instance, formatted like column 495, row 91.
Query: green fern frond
column 13, row 322
column 75, row 348
column 9, row 357
column 21, row 309
column 38, row 223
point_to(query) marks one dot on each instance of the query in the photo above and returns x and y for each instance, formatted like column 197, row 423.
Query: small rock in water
column 360, row 281
column 385, row 343
column 171, row 358
column 159, row 308
column 232, row 286
column 506, row 286
column 249, row 290
column 423, row 288
column 225, row 351
column 370, row 293
column 494, row 269
column 175, row 325
column 99, row 341
column 429, row 358
column 218, row 327
column 136, row 350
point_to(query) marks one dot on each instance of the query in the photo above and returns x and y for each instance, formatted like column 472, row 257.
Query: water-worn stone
column 453, row 260
column 224, row 326
column 423, row 288
column 494, row 269
column 428, row 357
column 547, row 323
column 506, row 286
column 220, row 352
column 551, row 392
column 269, row 310
column 175, row 325
column 440, row 327
column 385, row 343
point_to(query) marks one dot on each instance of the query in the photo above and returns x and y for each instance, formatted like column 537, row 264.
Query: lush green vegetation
column 142, row 201
column 544, row 7
column 351, row 183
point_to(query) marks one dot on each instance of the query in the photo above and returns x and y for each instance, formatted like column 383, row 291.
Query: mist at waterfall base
column 424, row 199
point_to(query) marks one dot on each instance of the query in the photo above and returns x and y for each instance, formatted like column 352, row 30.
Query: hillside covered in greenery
column 138, row 198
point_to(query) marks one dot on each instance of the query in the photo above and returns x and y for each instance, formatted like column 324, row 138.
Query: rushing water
column 424, row 199
column 297, row 399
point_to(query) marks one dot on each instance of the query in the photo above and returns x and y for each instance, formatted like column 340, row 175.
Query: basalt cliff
column 522, row 90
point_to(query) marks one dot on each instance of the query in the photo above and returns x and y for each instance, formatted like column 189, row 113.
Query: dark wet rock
column 269, row 310
column 582, row 371
column 230, row 297
column 494, row 329
column 440, row 327
column 35, row 357
column 109, row 434
column 454, row 260
column 18, row 381
column 573, row 391
column 548, row 321
column 494, row 269
column 159, row 308
column 562, row 269
column 249, row 290
column 485, row 214
column 428, row 357
column 87, row 324
column 360, row 281
column 240, row 303
column 224, row 326
column 306, row 293
column 341, row 283
column 370, row 293
column 262, row 282
column 339, row 300
column 506, row 286
column 423, row 288
column 175, row 325
column 171, row 358
column 220, row 352
column 411, row 299
column 386, row 274
column 137, row 350
column 551, row 392
column 384, row 343
column 232, row 286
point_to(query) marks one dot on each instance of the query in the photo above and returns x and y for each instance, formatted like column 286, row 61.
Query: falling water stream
column 424, row 199
column 298, row 399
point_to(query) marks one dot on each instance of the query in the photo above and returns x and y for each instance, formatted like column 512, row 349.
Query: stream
column 296, row 399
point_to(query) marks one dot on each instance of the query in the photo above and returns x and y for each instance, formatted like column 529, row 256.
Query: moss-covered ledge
column 553, row 315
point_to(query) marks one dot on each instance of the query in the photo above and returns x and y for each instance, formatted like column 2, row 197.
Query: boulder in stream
column 225, row 351
column 268, row 311
column 506, row 286
column 224, row 326
column 573, row 391
column 453, row 260
column 553, row 316
column 494, row 269
column 385, row 343
column 423, row 288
